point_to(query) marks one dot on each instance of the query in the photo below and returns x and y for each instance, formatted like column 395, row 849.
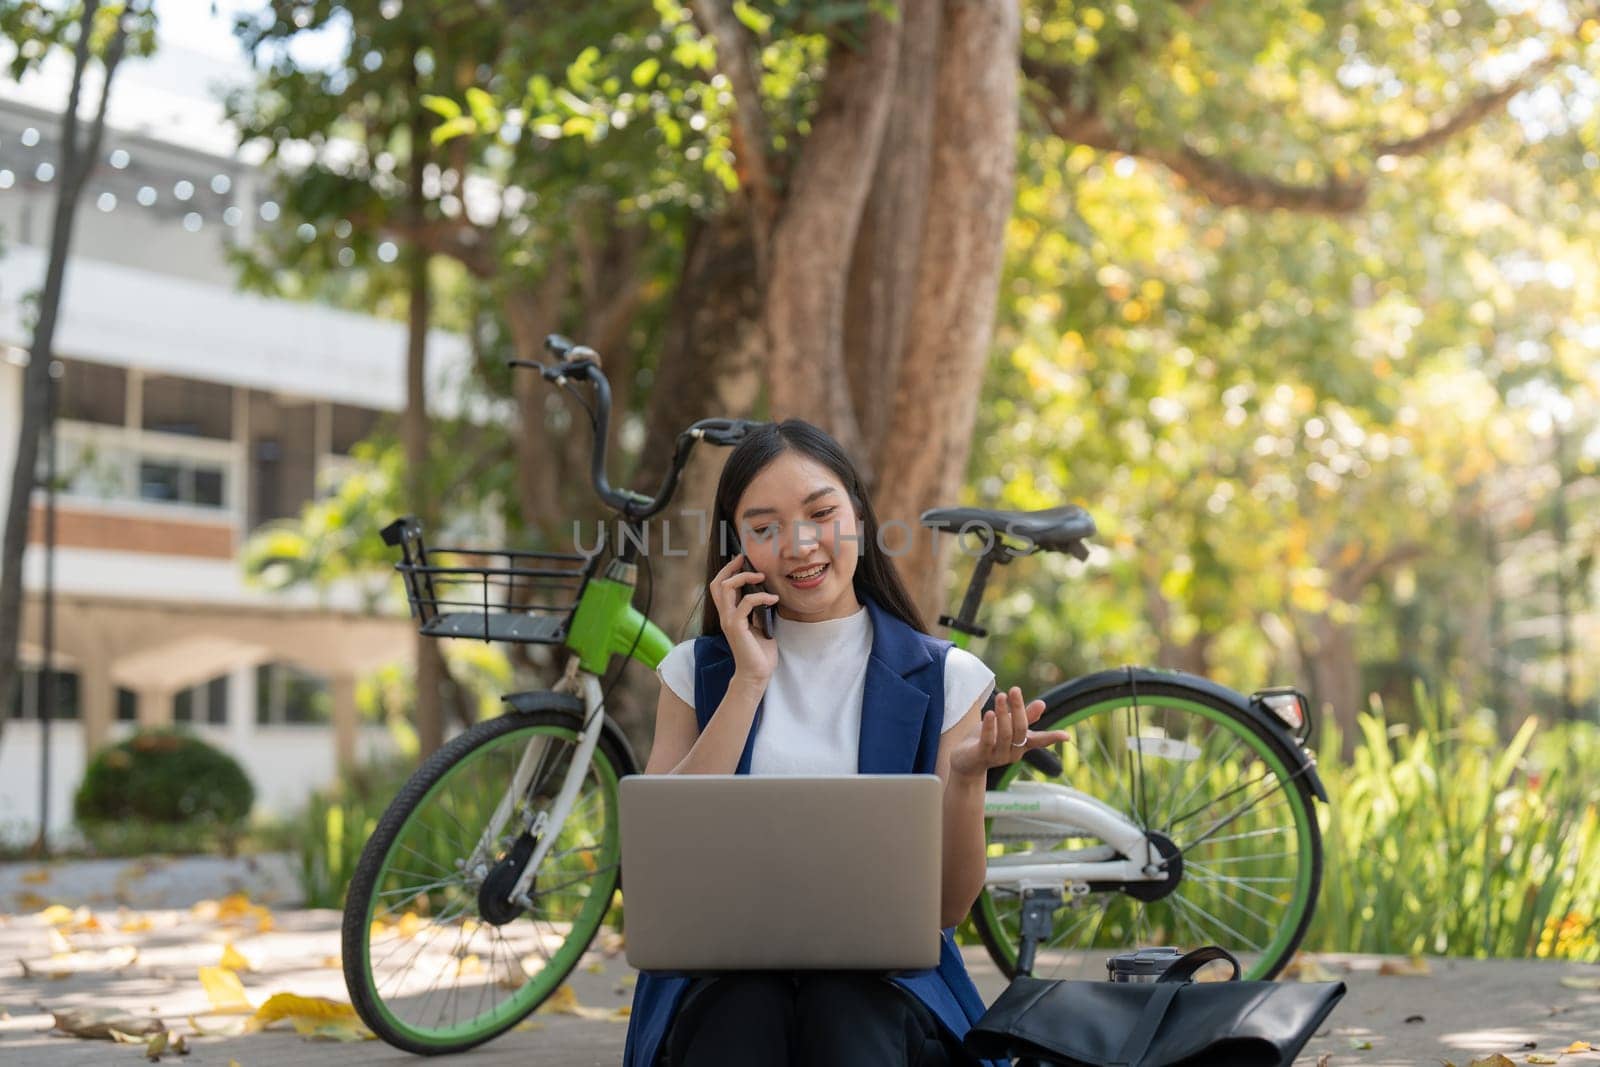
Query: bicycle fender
column 1300, row 761
column 550, row 700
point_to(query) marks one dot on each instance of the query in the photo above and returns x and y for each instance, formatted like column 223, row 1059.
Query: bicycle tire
column 1000, row 937
column 610, row 762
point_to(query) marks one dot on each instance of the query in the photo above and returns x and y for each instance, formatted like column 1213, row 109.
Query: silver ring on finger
column 1020, row 744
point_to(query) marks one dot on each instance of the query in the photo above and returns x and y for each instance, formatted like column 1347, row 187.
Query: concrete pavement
column 146, row 962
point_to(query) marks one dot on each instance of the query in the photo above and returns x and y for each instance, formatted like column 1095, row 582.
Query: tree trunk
column 414, row 431
column 1336, row 678
column 883, row 265
column 970, row 196
column 815, row 233
column 715, row 338
column 76, row 161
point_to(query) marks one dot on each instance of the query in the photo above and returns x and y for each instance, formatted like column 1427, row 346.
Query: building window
column 287, row 694
column 283, row 458
column 24, row 702
column 188, row 407
column 207, row 703
column 94, row 393
column 173, row 481
column 127, row 705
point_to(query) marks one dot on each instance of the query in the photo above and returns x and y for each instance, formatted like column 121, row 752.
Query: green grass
column 1444, row 838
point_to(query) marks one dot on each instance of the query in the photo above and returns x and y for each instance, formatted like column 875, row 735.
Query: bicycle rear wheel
column 1216, row 795
column 435, row 962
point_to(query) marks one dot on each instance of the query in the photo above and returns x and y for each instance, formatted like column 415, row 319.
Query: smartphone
column 764, row 617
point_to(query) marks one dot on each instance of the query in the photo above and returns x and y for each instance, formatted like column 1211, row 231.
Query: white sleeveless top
column 811, row 721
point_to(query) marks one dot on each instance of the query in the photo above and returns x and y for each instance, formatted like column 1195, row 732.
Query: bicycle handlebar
column 579, row 363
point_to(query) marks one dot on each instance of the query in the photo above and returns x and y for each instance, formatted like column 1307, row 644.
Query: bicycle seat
column 1053, row 529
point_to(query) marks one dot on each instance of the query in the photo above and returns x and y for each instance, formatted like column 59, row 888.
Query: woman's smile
column 808, row 577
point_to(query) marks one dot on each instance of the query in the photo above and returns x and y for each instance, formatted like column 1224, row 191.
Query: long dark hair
column 875, row 576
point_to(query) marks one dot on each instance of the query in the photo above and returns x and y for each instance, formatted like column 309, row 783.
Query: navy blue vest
column 902, row 714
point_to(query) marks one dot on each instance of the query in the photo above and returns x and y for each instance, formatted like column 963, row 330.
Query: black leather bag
column 1171, row 1021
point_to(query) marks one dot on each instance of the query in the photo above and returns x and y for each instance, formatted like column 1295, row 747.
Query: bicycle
column 493, row 869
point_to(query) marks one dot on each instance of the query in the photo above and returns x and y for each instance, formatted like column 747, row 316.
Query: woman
column 736, row 701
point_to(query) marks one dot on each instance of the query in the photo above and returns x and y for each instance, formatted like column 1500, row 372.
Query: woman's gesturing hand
column 754, row 656
column 1003, row 736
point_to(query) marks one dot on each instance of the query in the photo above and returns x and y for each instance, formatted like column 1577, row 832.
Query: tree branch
column 1074, row 112
column 736, row 57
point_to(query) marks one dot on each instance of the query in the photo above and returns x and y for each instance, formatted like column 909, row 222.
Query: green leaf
column 442, row 106
column 757, row 21
column 449, row 130
column 646, row 72
column 484, row 110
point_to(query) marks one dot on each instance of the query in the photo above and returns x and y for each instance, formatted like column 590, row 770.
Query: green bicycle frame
column 606, row 623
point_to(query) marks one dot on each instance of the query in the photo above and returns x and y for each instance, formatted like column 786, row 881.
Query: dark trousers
column 801, row 1019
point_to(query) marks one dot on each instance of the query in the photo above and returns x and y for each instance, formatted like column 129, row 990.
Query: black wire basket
column 488, row 594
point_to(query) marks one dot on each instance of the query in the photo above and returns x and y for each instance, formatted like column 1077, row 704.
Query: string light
column 45, row 172
column 388, row 252
column 232, row 216
column 107, row 202
column 183, row 190
column 221, row 184
column 119, row 159
column 192, row 222
column 146, row 195
column 269, row 211
column 306, row 232
column 7, row 179
column 30, row 137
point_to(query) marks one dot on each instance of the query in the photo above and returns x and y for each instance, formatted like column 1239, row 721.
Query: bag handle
column 1167, row 986
column 1186, row 966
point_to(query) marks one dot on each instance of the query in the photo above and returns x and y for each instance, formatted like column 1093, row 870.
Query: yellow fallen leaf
column 332, row 961
column 89, row 924
column 565, row 1002
column 336, row 1030
column 59, row 943
column 227, row 1028
column 561, row 1002
column 289, row 1005
column 409, row 924
column 137, row 925
column 1534, row 1057
column 126, row 1039
column 596, row 968
column 156, row 1046
column 1573, row 981
column 233, row 906
column 34, row 971
column 55, row 915
column 468, row 965
column 1579, row 1046
column 233, row 959
column 1304, row 968
column 1496, row 1060
column 1415, row 967
column 36, row 877
column 224, row 990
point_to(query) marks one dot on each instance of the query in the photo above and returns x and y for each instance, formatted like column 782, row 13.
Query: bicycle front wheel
column 1220, row 803
column 435, row 959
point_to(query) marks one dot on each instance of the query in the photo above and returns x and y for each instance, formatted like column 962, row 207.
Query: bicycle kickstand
column 1039, row 907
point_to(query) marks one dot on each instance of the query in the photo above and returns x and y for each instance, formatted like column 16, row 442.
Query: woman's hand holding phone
column 755, row 654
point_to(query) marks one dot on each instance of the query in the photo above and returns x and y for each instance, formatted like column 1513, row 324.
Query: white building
column 190, row 414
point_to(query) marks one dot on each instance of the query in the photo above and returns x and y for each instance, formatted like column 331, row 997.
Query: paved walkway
column 1460, row 1011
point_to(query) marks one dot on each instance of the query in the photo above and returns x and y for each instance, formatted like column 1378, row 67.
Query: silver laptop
column 780, row 872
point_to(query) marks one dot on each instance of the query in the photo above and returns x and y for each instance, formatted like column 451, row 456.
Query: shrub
column 164, row 777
